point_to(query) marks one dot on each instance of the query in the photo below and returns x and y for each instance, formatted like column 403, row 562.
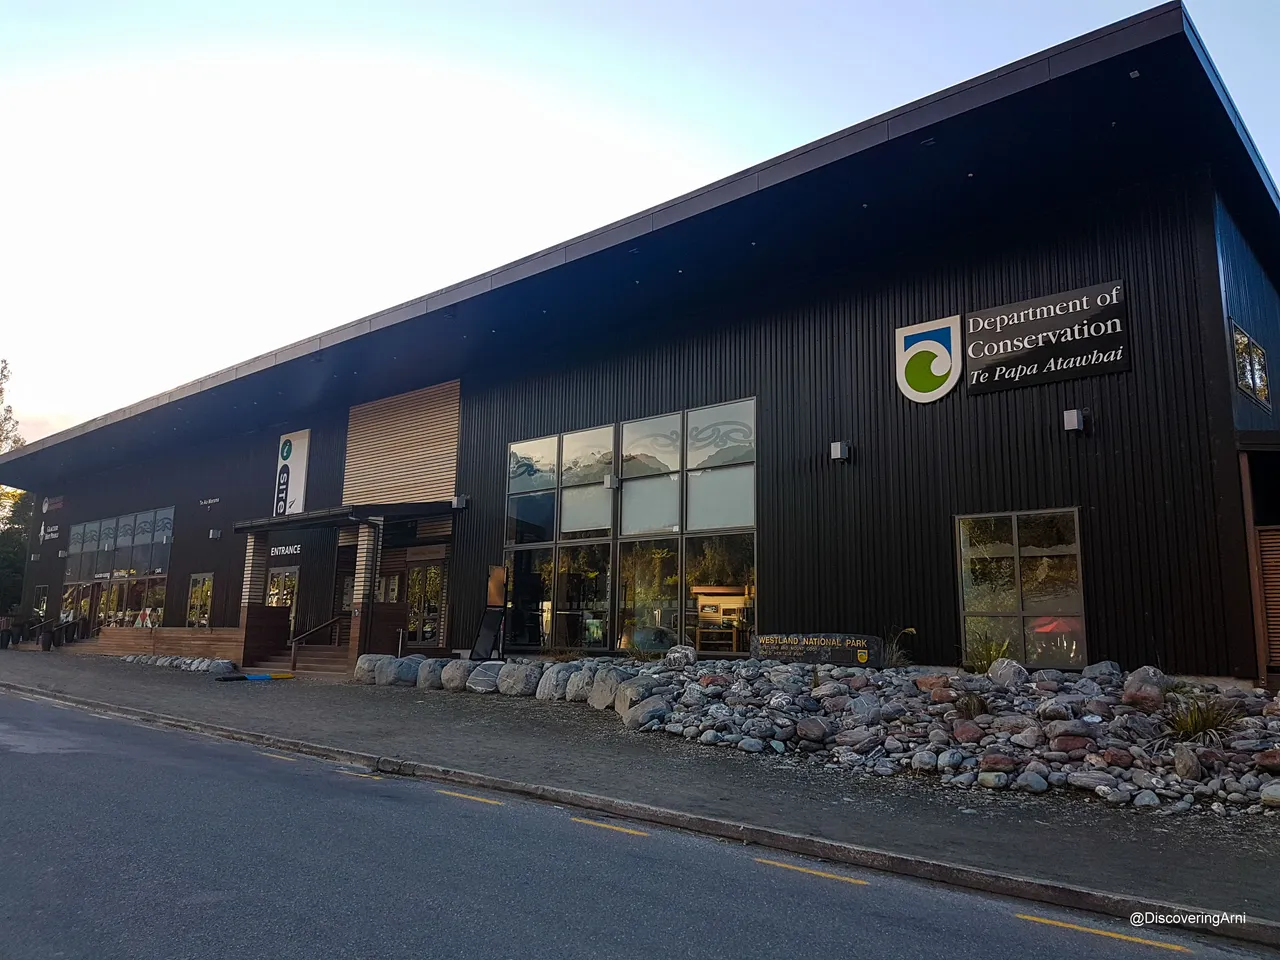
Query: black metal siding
column 1250, row 300
column 239, row 471
column 861, row 546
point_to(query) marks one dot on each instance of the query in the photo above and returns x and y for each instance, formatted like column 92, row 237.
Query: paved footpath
column 1200, row 861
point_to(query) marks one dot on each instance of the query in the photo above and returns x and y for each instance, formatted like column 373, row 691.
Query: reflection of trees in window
column 723, row 561
column 1251, row 367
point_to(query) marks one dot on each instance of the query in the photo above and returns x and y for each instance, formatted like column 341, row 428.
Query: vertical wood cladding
column 1250, row 300
column 237, row 471
column 403, row 449
column 857, row 547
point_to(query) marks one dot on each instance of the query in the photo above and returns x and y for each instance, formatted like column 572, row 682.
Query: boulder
column 997, row 762
column 554, row 684
column 832, row 688
column 429, row 673
column 1118, row 757
column 605, row 687
column 1146, row 798
column 1068, row 744
column 751, row 745
column 367, row 666
column 484, row 678
column 924, row 760
column 646, row 711
column 1104, row 668
column 631, row 691
column 993, row 781
column 1147, row 676
column 1015, row 723
column 1007, row 673
column 1146, row 697
column 679, row 657
column 1185, row 763
column 1069, row 728
column 519, row 679
column 1029, row 739
column 966, row 731
column 455, row 674
column 220, row 668
column 578, row 689
column 1270, row 794
column 1268, row 760
column 943, row 695
column 397, row 672
column 950, row 759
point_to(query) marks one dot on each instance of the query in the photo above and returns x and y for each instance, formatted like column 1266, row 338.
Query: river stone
column 1268, row 760
column 1007, row 673
column 646, row 711
column 367, row 666
column 679, row 657
column 1012, row 724
column 484, row 678
column 1091, row 779
column 1185, row 763
column 993, row 761
column 1104, row 668
column 751, row 745
column 1145, row 798
column 519, row 679
column 397, row 672
column 832, row 688
column 578, row 689
column 429, row 672
column 993, row 781
column 1030, row 782
column 554, row 684
column 924, row 760
column 455, row 674
column 605, row 687
column 632, row 691
column 1029, row 738
column 1270, row 794
column 813, row 729
column 950, row 759
column 220, row 668
column 966, row 731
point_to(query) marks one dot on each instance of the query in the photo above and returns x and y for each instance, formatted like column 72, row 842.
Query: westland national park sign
column 843, row 648
column 1059, row 337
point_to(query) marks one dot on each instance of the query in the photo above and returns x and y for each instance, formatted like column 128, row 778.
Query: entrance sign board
column 854, row 649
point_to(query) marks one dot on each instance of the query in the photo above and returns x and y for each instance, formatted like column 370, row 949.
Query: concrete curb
column 1262, row 932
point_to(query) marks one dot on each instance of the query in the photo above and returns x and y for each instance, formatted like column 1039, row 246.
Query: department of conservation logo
column 928, row 368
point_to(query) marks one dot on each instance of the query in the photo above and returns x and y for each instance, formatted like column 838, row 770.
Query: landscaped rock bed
column 1112, row 734
column 189, row 664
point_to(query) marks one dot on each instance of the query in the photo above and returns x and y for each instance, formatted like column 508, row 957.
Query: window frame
column 616, row 539
column 1255, row 349
column 1020, row 612
column 191, row 585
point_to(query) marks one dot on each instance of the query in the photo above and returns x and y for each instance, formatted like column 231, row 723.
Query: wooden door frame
column 1262, row 649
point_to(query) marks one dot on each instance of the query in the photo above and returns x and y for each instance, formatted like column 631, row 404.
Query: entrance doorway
column 282, row 590
column 424, row 593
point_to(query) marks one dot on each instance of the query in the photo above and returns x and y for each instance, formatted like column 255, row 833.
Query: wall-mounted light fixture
column 612, row 481
column 1075, row 421
column 460, row 502
column 215, row 534
column 841, row 452
column 62, row 554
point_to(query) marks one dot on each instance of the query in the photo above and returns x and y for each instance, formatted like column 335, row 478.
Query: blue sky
column 270, row 169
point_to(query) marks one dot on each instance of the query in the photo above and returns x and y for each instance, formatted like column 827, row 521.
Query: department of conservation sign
column 1059, row 337
column 847, row 648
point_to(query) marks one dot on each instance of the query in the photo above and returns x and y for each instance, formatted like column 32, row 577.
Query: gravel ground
column 1197, row 860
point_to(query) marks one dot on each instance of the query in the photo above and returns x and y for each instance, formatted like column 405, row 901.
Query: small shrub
column 814, row 678
column 971, row 705
column 983, row 650
column 1199, row 719
column 895, row 655
column 563, row 654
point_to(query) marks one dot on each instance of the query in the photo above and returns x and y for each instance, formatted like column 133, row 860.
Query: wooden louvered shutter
column 1269, row 549
column 403, row 449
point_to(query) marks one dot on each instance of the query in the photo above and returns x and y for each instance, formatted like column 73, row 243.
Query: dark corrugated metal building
column 992, row 366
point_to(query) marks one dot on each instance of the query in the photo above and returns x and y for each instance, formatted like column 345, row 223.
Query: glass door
column 424, row 593
column 282, row 590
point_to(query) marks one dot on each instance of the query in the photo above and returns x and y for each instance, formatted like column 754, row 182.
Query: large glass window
column 582, row 596
column 1020, row 586
column 530, row 580
column 106, row 548
column 1251, row 367
column 679, row 472
column 200, row 600
column 720, row 581
column 649, row 593
column 153, row 606
column 143, row 529
column 40, row 602
column 161, row 538
column 123, row 565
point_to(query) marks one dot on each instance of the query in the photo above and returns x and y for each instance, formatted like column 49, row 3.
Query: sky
column 187, row 185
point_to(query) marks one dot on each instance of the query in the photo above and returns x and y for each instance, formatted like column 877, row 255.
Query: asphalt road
column 122, row 841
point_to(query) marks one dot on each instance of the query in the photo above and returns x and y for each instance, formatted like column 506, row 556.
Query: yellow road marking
column 276, row 756
column 609, row 826
column 816, row 873
column 366, row 776
column 1102, row 933
column 467, row 796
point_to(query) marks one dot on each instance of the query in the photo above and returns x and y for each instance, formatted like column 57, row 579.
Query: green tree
column 15, row 510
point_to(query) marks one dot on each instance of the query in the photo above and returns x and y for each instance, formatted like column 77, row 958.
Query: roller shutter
column 1269, row 549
